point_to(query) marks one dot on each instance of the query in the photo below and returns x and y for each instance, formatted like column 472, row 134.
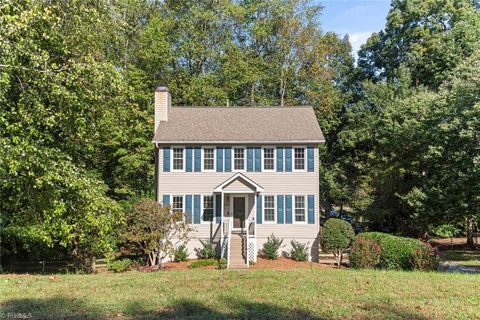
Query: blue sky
column 358, row 18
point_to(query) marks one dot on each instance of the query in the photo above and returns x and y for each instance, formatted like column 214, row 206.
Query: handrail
column 229, row 242
column 247, row 223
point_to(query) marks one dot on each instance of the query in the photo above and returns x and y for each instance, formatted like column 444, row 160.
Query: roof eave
column 238, row 142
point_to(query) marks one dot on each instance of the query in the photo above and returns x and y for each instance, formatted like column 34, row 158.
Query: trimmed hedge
column 395, row 251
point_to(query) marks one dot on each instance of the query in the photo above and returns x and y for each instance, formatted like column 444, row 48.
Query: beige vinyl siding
column 238, row 185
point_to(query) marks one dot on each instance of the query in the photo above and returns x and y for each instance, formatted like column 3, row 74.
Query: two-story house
column 240, row 174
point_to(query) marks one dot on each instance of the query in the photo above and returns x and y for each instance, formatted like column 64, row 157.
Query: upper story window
column 239, row 159
column 299, row 208
column 268, row 159
column 207, row 215
column 299, row 154
column 269, row 209
column 208, row 159
column 177, row 159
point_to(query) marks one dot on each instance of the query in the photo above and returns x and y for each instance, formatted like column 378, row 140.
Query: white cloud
column 357, row 39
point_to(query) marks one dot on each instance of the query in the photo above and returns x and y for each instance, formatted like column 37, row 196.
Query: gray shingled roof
column 239, row 125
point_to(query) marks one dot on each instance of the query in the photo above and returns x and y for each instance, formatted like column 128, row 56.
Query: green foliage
column 424, row 259
column 204, row 263
column 121, row 265
column 181, row 253
column 222, row 263
column 154, row 231
column 337, row 236
column 396, row 251
column 365, row 253
column 207, row 251
column 270, row 248
column 299, row 251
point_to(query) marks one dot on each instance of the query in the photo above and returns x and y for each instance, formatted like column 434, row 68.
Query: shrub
column 270, row 248
column 121, row 265
column 365, row 253
column 337, row 236
column 299, row 251
column 396, row 251
column 222, row 263
column 203, row 263
column 424, row 259
column 181, row 254
column 207, row 252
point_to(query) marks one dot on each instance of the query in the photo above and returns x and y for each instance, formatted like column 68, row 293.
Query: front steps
column 237, row 252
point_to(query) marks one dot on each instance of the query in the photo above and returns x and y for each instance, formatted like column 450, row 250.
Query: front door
column 238, row 212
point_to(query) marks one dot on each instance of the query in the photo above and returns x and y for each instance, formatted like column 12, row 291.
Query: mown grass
column 462, row 257
column 261, row 294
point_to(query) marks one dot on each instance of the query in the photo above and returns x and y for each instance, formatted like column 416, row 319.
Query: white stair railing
column 247, row 226
column 229, row 242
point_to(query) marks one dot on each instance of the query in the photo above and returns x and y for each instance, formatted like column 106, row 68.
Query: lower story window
column 207, row 208
column 177, row 205
column 299, row 208
column 269, row 209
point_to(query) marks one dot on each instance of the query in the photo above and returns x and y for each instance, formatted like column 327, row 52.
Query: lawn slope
column 261, row 294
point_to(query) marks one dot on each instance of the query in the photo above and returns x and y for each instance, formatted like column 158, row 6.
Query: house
column 240, row 174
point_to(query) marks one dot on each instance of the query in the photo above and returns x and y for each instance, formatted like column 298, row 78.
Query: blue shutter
column 288, row 159
column 310, row 159
column 196, row 209
column 279, row 159
column 258, row 159
column 288, row 209
column 188, row 159
column 166, row 200
column 198, row 159
column 188, row 208
column 311, row 209
column 280, row 214
column 166, row 159
column 250, row 159
column 219, row 159
column 218, row 208
column 228, row 159
column 259, row 209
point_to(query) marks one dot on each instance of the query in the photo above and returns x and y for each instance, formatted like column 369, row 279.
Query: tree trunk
column 470, row 229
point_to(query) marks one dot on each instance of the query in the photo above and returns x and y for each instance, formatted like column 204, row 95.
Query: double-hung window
column 177, row 205
column 299, row 154
column 239, row 159
column 269, row 208
column 208, row 159
column 178, row 158
column 207, row 214
column 268, row 159
column 299, row 208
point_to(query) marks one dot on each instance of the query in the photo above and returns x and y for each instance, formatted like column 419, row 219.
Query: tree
column 336, row 237
column 155, row 231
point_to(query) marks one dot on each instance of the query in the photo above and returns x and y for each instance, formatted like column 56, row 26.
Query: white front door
column 239, row 211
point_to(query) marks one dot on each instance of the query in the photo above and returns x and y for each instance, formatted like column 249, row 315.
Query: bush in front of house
column 203, row 263
column 121, row 265
column 299, row 251
column 396, row 251
column 208, row 251
column 424, row 259
column 365, row 253
column 270, row 248
column 222, row 263
column 180, row 254
column 337, row 236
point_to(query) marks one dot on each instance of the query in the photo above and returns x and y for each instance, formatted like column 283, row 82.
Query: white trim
column 305, row 163
column 184, row 159
column 274, row 208
column 244, row 158
column 220, row 187
column 183, row 205
column 245, row 215
column 305, row 209
column 274, row 158
column 202, row 208
column 214, row 158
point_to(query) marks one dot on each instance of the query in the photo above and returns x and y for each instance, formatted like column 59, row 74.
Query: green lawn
column 469, row 258
column 263, row 294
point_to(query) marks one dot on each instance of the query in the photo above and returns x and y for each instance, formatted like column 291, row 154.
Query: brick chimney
column 163, row 105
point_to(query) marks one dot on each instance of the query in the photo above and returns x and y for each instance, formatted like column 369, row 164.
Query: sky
column 358, row 18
